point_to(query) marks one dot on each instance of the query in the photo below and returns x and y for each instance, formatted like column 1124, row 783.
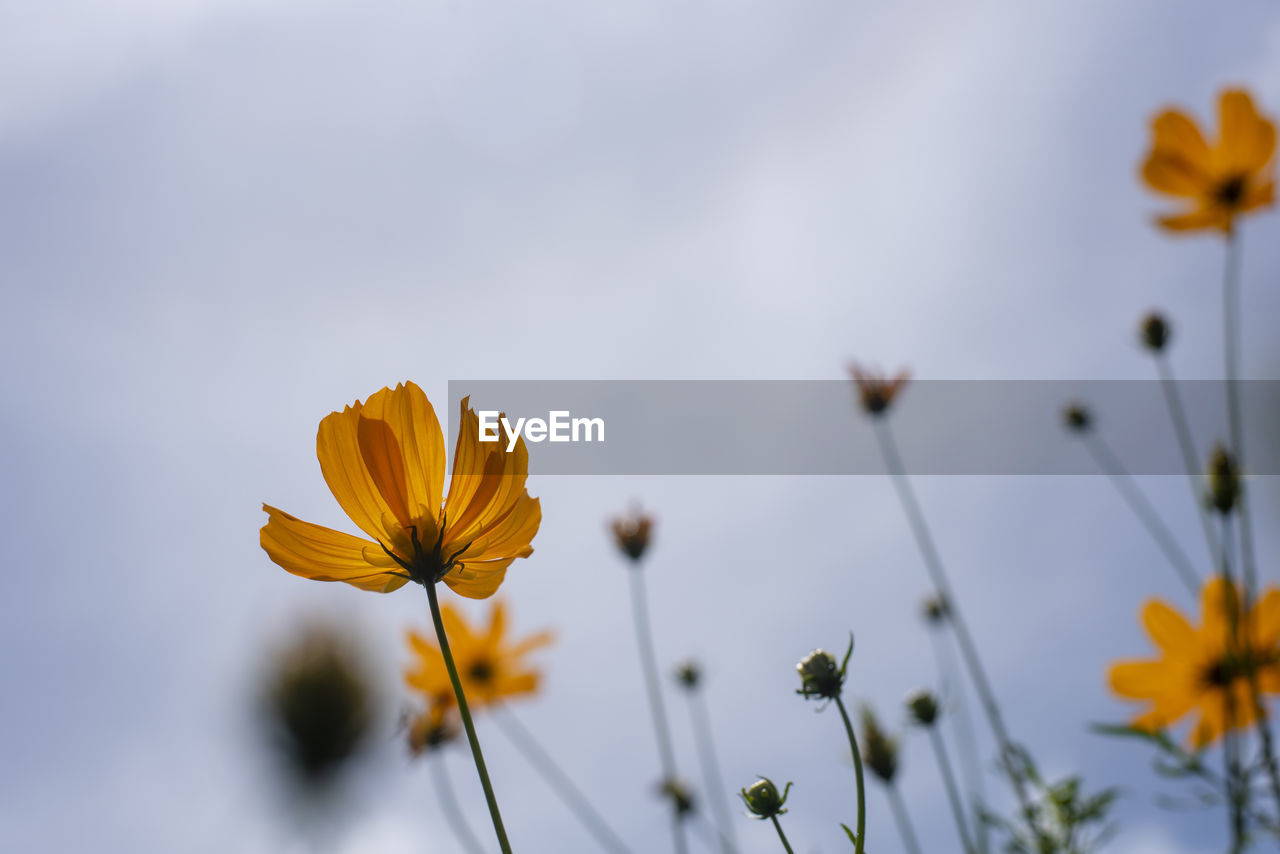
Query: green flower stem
column 561, row 782
column 1232, row 346
column 953, row 792
column 909, row 840
column 1237, row 786
column 649, row 666
column 778, row 826
column 965, row 737
column 467, row 724
column 1190, row 459
column 711, row 768
column 449, row 803
column 861, row 831
column 1141, row 507
column 968, row 650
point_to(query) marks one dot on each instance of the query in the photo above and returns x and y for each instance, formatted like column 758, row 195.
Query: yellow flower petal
column 1175, row 133
column 323, row 554
column 1169, row 629
column 509, row 535
column 1197, row 220
column 343, row 466
column 478, row 580
column 1139, row 680
column 413, row 422
column 1248, row 140
column 1171, row 173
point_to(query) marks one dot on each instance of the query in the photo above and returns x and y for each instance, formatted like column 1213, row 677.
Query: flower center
column 1230, row 192
column 1226, row 670
column 481, row 670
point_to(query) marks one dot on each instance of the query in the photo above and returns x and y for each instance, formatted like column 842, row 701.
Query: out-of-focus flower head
column 922, row 707
column 876, row 390
column 492, row 667
column 633, row 532
column 1077, row 418
column 935, row 610
column 1154, row 332
column 821, row 675
column 680, row 795
column 319, row 704
column 1223, row 476
column 384, row 462
column 432, row 728
column 879, row 750
column 1218, row 180
column 689, row 674
column 763, row 799
column 1199, row 668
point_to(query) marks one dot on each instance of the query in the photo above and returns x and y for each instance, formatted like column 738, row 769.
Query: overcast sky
column 221, row 220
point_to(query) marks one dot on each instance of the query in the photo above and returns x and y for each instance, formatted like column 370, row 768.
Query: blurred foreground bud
column 433, row 728
column 876, row 391
column 1224, row 481
column 763, row 800
column 923, row 708
column 681, row 797
column 879, row 751
column 820, row 674
column 319, row 705
column 1154, row 332
column 689, row 675
column 632, row 533
column 935, row 610
column 1077, row 418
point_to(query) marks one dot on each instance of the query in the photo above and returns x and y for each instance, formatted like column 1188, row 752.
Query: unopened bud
column 632, row 533
column 680, row 795
column 689, row 675
column 1224, row 481
column 923, row 708
column 820, row 675
column 1154, row 332
column 879, row 751
column 1077, row 418
column 763, row 800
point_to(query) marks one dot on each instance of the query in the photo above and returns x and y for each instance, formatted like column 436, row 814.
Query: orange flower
column 1233, row 176
column 1198, row 671
column 384, row 462
column 490, row 667
column 876, row 390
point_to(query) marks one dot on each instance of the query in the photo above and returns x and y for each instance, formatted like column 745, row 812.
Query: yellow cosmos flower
column 1233, row 176
column 384, row 461
column 490, row 666
column 1197, row 671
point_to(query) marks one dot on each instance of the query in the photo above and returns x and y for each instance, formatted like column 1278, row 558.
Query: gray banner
column 661, row 427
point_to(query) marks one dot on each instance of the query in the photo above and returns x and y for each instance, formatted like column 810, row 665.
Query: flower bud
column 935, row 610
column 876, row 391
column 689, row 675
column 820, row 675
column 879, row 751
column 763, row 800
column 1224, row 481
column 632, row 533
column 1077, row 418
column 1154, row 332
column 680, row 795
column 923, row 708
column 432, row 728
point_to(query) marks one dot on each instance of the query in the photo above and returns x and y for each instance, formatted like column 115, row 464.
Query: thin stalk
column 711, row 768
column 1237, row 785
column 465, row 711
column 778, row 826
column 449, row 804
column 1111, row 467
column 953, row 791
column 649, row 666
column 559, row 781
column 1190, row 459
column 900, row 814
column 1233, row 345
column 861, row 825
column 968, row 650
column 962, row 732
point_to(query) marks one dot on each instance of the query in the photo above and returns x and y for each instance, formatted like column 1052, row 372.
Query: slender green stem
column 953, row 791
column 1233, row 346
column 1141, row 507
column 962, row 732
column 1190, row 459
column 559, row 781
column 900, row 815
column 1237, row 789
column 649, row 666
column 968, row 649
column 778, row 826
column 449, row 803
column 465, row 711
column 711, row 768
column 861, row 831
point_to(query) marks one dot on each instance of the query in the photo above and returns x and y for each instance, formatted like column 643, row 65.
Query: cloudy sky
column 220, row 221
